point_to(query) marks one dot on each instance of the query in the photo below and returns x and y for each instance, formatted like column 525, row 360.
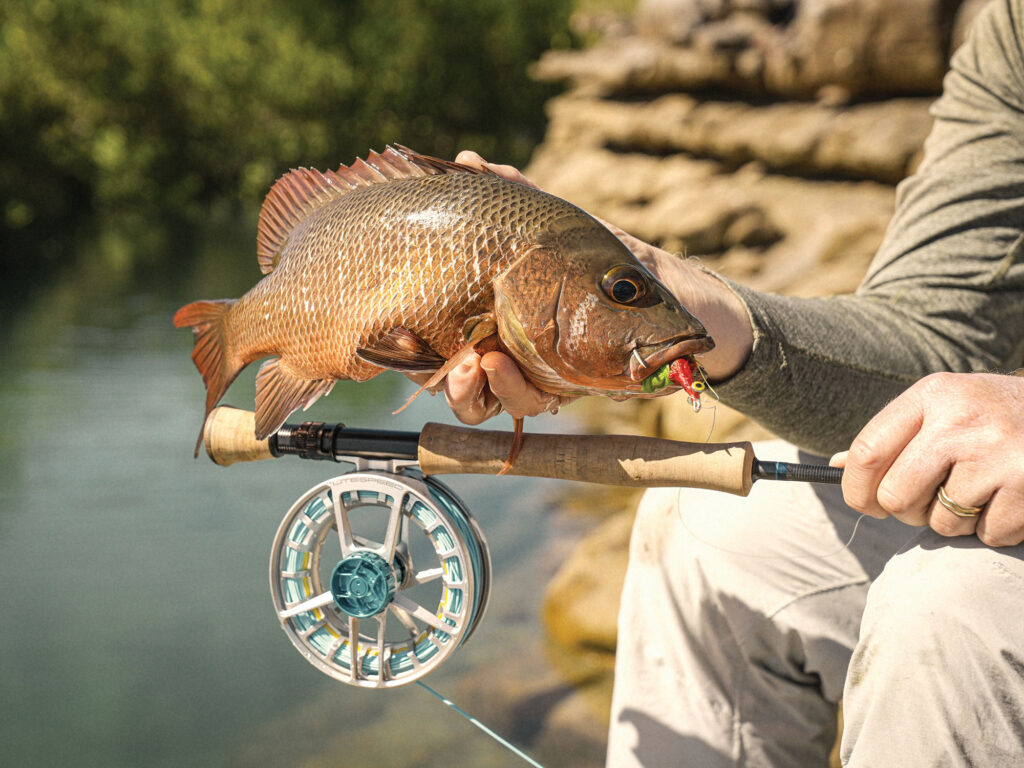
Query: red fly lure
column 681, row 372
column 684, row 373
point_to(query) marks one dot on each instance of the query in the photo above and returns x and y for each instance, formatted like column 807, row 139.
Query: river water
column 137, row 624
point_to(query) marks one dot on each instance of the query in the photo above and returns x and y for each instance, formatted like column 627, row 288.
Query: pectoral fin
column 479, row 329
column 279, row 392
column 404, row 351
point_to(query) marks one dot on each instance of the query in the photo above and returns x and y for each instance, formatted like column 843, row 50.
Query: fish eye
column 625, row 290
column 625, row 284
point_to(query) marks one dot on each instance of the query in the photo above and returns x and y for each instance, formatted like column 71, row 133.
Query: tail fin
column 210, row 354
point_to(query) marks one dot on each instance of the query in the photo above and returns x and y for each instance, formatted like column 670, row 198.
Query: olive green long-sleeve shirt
column 945, row 290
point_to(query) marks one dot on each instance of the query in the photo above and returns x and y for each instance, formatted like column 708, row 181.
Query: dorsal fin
column 292, row 198
column 300, row 192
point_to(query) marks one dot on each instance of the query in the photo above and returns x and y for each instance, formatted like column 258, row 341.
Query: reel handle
column 607, row 459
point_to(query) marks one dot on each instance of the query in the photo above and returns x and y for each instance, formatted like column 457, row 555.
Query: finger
column 465, row 390
column 419, row 378
column 907, row 490
column 960, row 490
column 423, row 378
column 470, row 158
column 875, row 449
column 839, row 460
column 509, row 172
column 483, row 409
column 645, row 253
column 517, row 395
column 1001, row 524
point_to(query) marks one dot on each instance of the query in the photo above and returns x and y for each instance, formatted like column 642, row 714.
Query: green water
column 137, row 626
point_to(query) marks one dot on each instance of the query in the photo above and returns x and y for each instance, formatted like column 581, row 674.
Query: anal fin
column 279, row 392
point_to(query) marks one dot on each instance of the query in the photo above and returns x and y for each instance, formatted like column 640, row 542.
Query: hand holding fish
column 950, row 436
column 482, row 387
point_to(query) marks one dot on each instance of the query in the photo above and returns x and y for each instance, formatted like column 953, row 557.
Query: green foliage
column 174, row 105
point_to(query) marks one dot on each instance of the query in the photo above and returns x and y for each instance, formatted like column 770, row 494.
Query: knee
column 933, row 584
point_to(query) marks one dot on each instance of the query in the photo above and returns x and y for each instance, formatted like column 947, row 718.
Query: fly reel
column 378, row 576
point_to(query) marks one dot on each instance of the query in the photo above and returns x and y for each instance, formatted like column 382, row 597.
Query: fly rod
column 442, row 449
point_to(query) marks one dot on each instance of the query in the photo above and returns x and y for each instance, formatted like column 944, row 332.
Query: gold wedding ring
column 955, row 508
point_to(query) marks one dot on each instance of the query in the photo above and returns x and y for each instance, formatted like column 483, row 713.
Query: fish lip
column 643, row 365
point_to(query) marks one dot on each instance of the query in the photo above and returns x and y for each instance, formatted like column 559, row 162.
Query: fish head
column 582, row 315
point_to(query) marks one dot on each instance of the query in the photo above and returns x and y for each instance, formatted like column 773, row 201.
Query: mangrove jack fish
column 407, row 262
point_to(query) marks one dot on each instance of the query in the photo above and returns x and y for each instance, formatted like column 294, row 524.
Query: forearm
column 815, row 370
column 819, row 369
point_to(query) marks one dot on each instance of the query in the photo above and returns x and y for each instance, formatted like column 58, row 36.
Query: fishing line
column 817, row 556
column 508, row 745
column 699, row 371
column 704, row 384
column 714, row 418
column 701, row 386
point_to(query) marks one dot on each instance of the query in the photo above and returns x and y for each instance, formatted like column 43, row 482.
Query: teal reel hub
column 378, row 576
column 363, row 584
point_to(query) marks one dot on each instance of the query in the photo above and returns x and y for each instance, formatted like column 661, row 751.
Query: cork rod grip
column 230, row 436
column 607, row 459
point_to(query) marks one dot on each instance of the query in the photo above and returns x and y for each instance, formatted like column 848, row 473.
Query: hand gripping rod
column 440, row 449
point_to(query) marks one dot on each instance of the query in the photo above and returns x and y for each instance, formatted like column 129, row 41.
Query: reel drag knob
column 363, row 584
column 378, row 577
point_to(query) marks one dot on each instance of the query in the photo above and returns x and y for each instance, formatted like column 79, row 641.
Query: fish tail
column 211, row 353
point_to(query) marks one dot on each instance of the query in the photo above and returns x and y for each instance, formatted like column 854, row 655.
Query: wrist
column 722, row 313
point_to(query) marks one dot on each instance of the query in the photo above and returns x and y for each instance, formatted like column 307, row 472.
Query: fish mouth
column 648, row 358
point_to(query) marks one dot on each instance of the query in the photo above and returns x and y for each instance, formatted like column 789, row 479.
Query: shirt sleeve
column 945, row 290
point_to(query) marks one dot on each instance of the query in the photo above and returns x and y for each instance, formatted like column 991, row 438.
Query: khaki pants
column 743, row 619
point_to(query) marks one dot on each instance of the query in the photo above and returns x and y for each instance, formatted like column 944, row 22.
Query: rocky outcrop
column 769, row 230
column 764, row 137
column 879, row 141
column 757, row 47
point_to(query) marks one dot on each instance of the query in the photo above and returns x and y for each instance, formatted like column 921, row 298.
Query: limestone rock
column 640, row 65
column 674, row 20
column 792, row 49
column 875, row 140
column 767, row 230
column 865, row 46
column 582, row 601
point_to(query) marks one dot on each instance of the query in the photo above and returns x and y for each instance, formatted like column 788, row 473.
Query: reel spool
column 378, row 576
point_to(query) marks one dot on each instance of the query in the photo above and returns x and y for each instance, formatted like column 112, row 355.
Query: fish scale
column 393, row 240
column 381, row 264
